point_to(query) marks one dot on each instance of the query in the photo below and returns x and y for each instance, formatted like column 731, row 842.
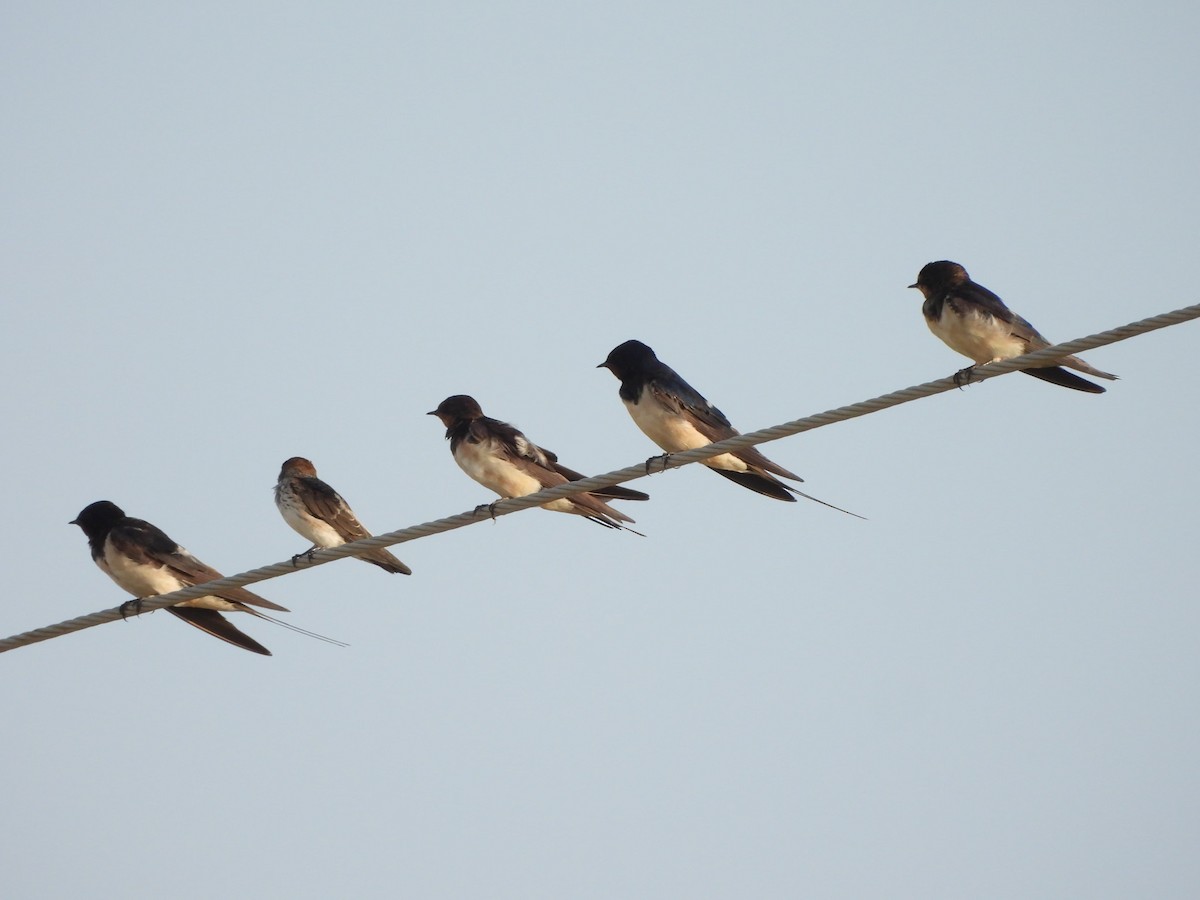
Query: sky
column 236, row 233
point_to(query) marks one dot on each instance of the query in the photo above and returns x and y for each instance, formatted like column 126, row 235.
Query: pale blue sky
column 237, row 233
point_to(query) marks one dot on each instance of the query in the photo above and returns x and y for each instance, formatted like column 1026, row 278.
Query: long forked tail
column 596, row 510
column 772, row 487
column 212, row 622
column 823, row 503
column 1063, row 378
column 296, row 628
column 766, row 485
column 608, row 522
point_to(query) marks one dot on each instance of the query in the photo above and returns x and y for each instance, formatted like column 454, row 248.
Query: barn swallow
column 141, row 559
column 677, row 417
column 319, row 514
column 973, row 321
column 503, row 460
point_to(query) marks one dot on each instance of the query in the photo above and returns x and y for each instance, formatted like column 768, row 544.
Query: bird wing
column 680, row 397
column 985, row 301
column 516, row 449
column 326, row 504
column 540, row 457
column 323, row 502
column 543, row 466
column 148, row 544
column 531, row 458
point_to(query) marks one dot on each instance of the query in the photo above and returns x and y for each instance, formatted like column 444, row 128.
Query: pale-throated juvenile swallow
column 503, row 460
column 319, row 514
column 677, row 417
column 973, row 321
column 141, row 559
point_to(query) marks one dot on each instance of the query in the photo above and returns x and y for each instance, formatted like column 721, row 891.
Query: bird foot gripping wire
column 664, row 460
column 307, row 554
column 135, row 605
column 490, row 507
column 963, row 377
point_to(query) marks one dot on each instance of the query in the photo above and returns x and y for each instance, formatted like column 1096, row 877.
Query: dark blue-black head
column 98, row 518
column 629, row 358
column 456, row 409
column 940, row 277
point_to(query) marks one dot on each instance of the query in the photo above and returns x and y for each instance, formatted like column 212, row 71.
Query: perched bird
column 676, row 416
column 141, row 559
column 503, row 460
column 319, row 514
column 973, row 321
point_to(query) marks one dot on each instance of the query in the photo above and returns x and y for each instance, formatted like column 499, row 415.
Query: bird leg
column 664, row 458
column 964, row 377
column 135, row 604
column 306, row 553
column 490, row 507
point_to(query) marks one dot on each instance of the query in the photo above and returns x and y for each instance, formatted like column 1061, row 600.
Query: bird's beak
column 73, row 522
column 914, row 285
column 602, row 366
column 432, row 412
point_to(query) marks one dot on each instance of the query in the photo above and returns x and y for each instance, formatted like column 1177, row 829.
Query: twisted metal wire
column 618, row 476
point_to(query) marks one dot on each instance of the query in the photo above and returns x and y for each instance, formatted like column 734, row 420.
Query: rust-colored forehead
column 298, row 465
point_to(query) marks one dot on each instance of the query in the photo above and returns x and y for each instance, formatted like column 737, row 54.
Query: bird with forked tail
column 677, row 417
column 503, row 460
column 142, row 560
column 973, row 321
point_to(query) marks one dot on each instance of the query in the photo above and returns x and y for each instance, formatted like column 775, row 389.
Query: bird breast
column 674, row 433
column 488, row 465
column 976, row 335
column 294, row 512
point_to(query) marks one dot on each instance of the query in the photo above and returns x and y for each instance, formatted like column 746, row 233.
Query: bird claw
column 135, row 604
column 307, row 554
column 664, row 458
column 490, row 507
column 963, row 377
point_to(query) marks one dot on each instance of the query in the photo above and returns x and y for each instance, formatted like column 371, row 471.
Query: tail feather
column 823, row 503
column 590, row 505
column 296, row 628
column 241, row 595
column 596, row 510
column 1074, row 362
column 616, row 492
column 761, row 484
column 387, row 562
column 611, row 523
column 770, row 487
column 753, row 457
column 1063, row 378
column 212, row 622
column 613, row 492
